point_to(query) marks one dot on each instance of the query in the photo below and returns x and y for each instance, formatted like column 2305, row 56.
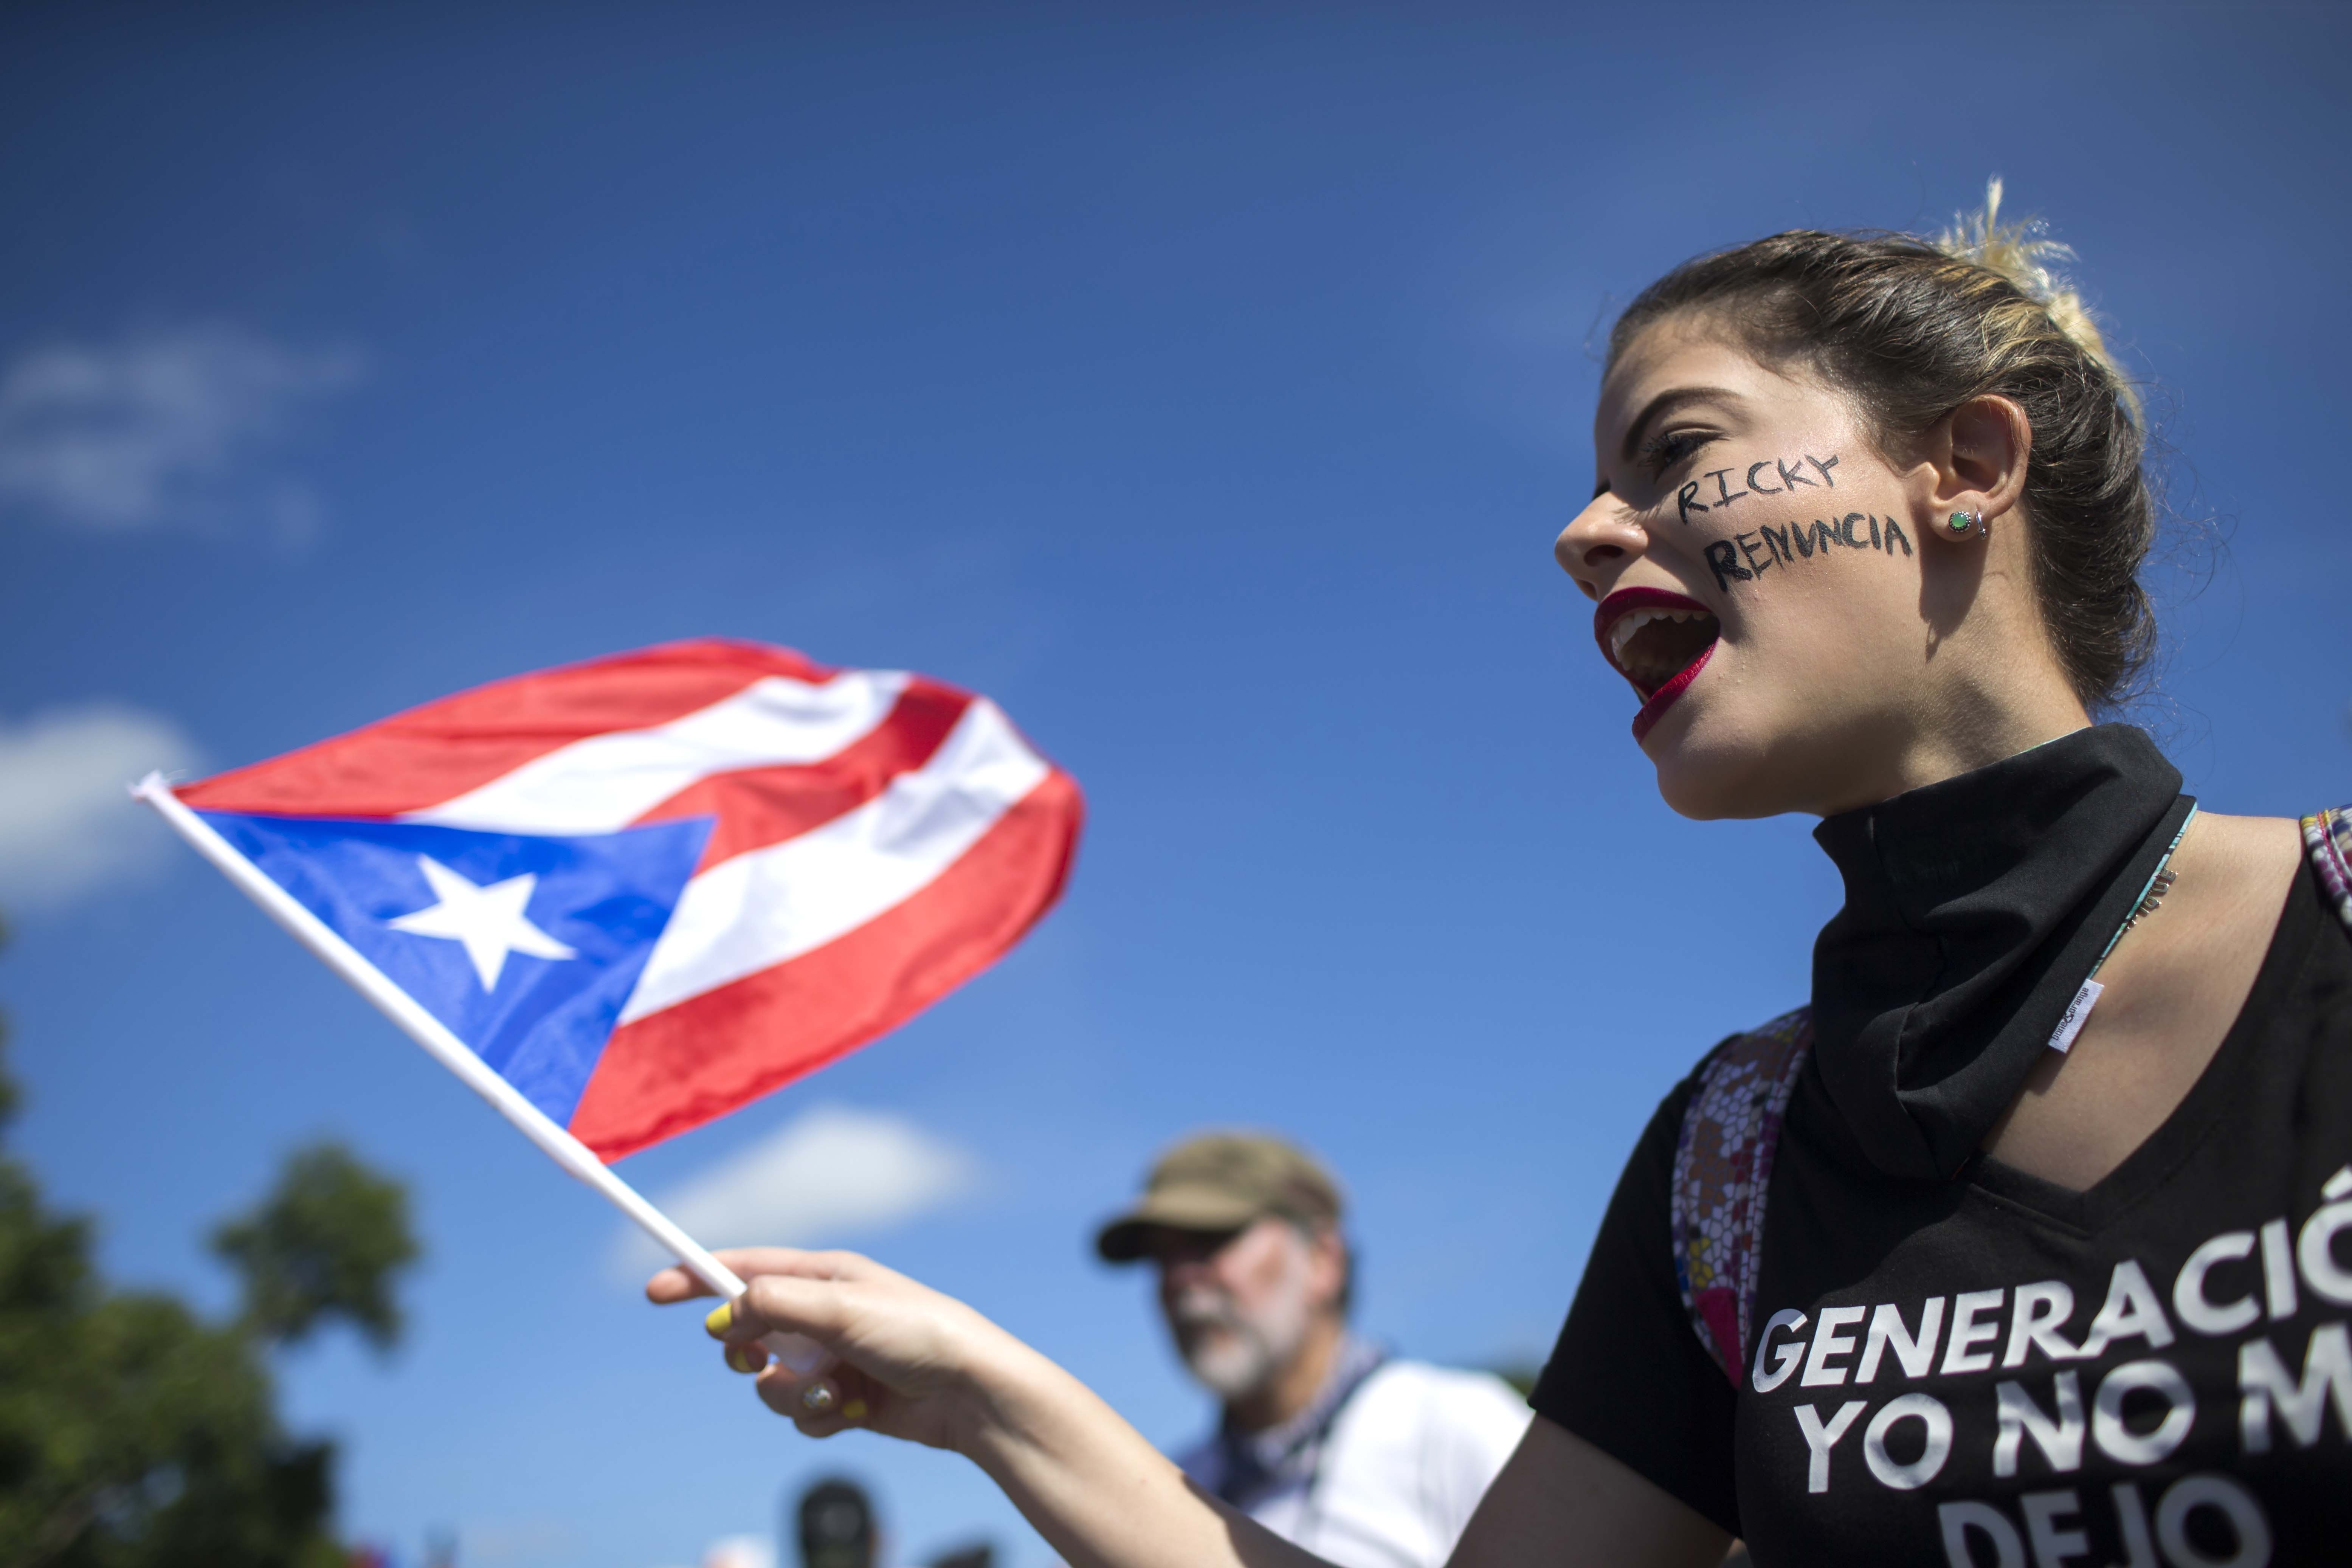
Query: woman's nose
column 1601, row 542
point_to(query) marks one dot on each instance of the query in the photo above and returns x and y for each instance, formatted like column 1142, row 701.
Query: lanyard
column 1312, row 1443
column 2159, row 882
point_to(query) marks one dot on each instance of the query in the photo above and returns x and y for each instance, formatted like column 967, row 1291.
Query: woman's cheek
column 1796, row 511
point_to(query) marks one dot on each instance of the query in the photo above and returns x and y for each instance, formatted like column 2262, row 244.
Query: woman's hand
column 912, row 1363
column 905, row 1357
column 909, row 1363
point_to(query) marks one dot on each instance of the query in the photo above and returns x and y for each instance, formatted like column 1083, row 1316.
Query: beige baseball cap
column 1223, row 1181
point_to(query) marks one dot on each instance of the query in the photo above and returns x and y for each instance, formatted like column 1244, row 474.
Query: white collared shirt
column 1395, row 1480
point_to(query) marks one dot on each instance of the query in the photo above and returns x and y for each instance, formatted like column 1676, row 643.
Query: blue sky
column 1205, row 384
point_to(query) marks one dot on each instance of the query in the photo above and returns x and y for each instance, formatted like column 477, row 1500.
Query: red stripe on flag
column 709, row 1054
column 443, row 749
column 760, row 806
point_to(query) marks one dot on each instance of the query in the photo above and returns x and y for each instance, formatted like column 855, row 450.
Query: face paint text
column 1688, row 499
column 1768, row 546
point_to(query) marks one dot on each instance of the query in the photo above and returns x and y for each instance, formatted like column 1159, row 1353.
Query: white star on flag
column 488, row 918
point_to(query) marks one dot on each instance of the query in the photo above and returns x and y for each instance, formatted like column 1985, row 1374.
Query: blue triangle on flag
column 527, row 946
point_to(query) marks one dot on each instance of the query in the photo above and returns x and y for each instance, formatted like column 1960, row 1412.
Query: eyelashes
column 1668, row 447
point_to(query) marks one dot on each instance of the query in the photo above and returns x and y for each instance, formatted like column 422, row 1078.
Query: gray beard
column 1242, row 1359
column 1236, row 1364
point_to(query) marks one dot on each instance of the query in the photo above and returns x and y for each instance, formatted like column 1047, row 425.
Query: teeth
column 1634, row 621
column 1623, row 632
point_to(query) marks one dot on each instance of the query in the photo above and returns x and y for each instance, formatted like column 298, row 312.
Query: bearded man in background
column 1367, row 1460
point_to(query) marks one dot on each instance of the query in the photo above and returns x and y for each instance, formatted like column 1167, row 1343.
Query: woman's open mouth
column 1658, row 641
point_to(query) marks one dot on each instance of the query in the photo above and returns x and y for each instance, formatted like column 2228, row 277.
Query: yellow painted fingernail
column 716, row 1324
column 854, row 1410
column 740, row 1358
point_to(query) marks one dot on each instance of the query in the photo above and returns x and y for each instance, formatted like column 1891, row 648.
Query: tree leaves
column 325, row 1244
column 135, row 1434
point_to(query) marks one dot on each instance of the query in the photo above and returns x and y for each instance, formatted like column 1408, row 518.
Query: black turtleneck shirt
column 1959, row 1363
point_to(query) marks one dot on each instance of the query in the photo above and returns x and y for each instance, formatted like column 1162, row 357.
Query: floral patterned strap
column 2328, row 836
column 1723, row 1168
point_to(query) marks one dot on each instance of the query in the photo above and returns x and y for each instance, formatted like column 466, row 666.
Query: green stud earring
column 1963, row 524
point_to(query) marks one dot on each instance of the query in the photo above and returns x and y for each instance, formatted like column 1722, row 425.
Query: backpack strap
column 2328, row 836
column 1723, row 1168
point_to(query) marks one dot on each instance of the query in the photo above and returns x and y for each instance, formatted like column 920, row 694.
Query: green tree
column 134, row 1434
column 326, row 1245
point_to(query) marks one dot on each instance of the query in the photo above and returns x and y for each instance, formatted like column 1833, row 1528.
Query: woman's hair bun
column 2024, row 254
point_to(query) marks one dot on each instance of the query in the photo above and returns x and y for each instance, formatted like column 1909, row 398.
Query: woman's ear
column 1979, row 452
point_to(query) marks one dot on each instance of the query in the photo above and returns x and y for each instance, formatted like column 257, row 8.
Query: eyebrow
column 1670, row 398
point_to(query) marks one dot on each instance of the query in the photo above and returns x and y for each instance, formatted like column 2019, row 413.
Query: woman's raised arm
column 912, row 1363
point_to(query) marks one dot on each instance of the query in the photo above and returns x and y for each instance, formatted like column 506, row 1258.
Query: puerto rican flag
column 650, row 887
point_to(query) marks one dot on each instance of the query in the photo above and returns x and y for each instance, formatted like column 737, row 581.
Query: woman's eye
column 1663, row 450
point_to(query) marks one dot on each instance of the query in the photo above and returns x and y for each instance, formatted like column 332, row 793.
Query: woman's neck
column 1970, row 728
column 2171, row 991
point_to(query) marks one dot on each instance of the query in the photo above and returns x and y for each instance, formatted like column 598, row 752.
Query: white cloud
column 828, row 1173
column 739, row 1551
column 162, row 426
column 66, row 824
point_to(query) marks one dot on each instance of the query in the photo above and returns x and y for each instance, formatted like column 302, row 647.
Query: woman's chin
column 1709, row 769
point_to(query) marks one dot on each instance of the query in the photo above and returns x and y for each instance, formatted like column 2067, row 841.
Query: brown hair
column 1914, row 328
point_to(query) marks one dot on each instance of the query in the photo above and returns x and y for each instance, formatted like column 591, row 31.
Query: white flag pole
column 803, row 1355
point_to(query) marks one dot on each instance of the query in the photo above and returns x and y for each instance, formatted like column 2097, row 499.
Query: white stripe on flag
column 772, row 904
column 605, row 783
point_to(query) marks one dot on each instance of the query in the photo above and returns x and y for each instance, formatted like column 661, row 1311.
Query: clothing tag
column 2062, row 1038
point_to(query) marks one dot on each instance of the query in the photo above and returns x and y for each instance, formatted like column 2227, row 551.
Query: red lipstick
column 1658, row 641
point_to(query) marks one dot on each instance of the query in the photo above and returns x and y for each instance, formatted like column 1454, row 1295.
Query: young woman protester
column 2024, row 1242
